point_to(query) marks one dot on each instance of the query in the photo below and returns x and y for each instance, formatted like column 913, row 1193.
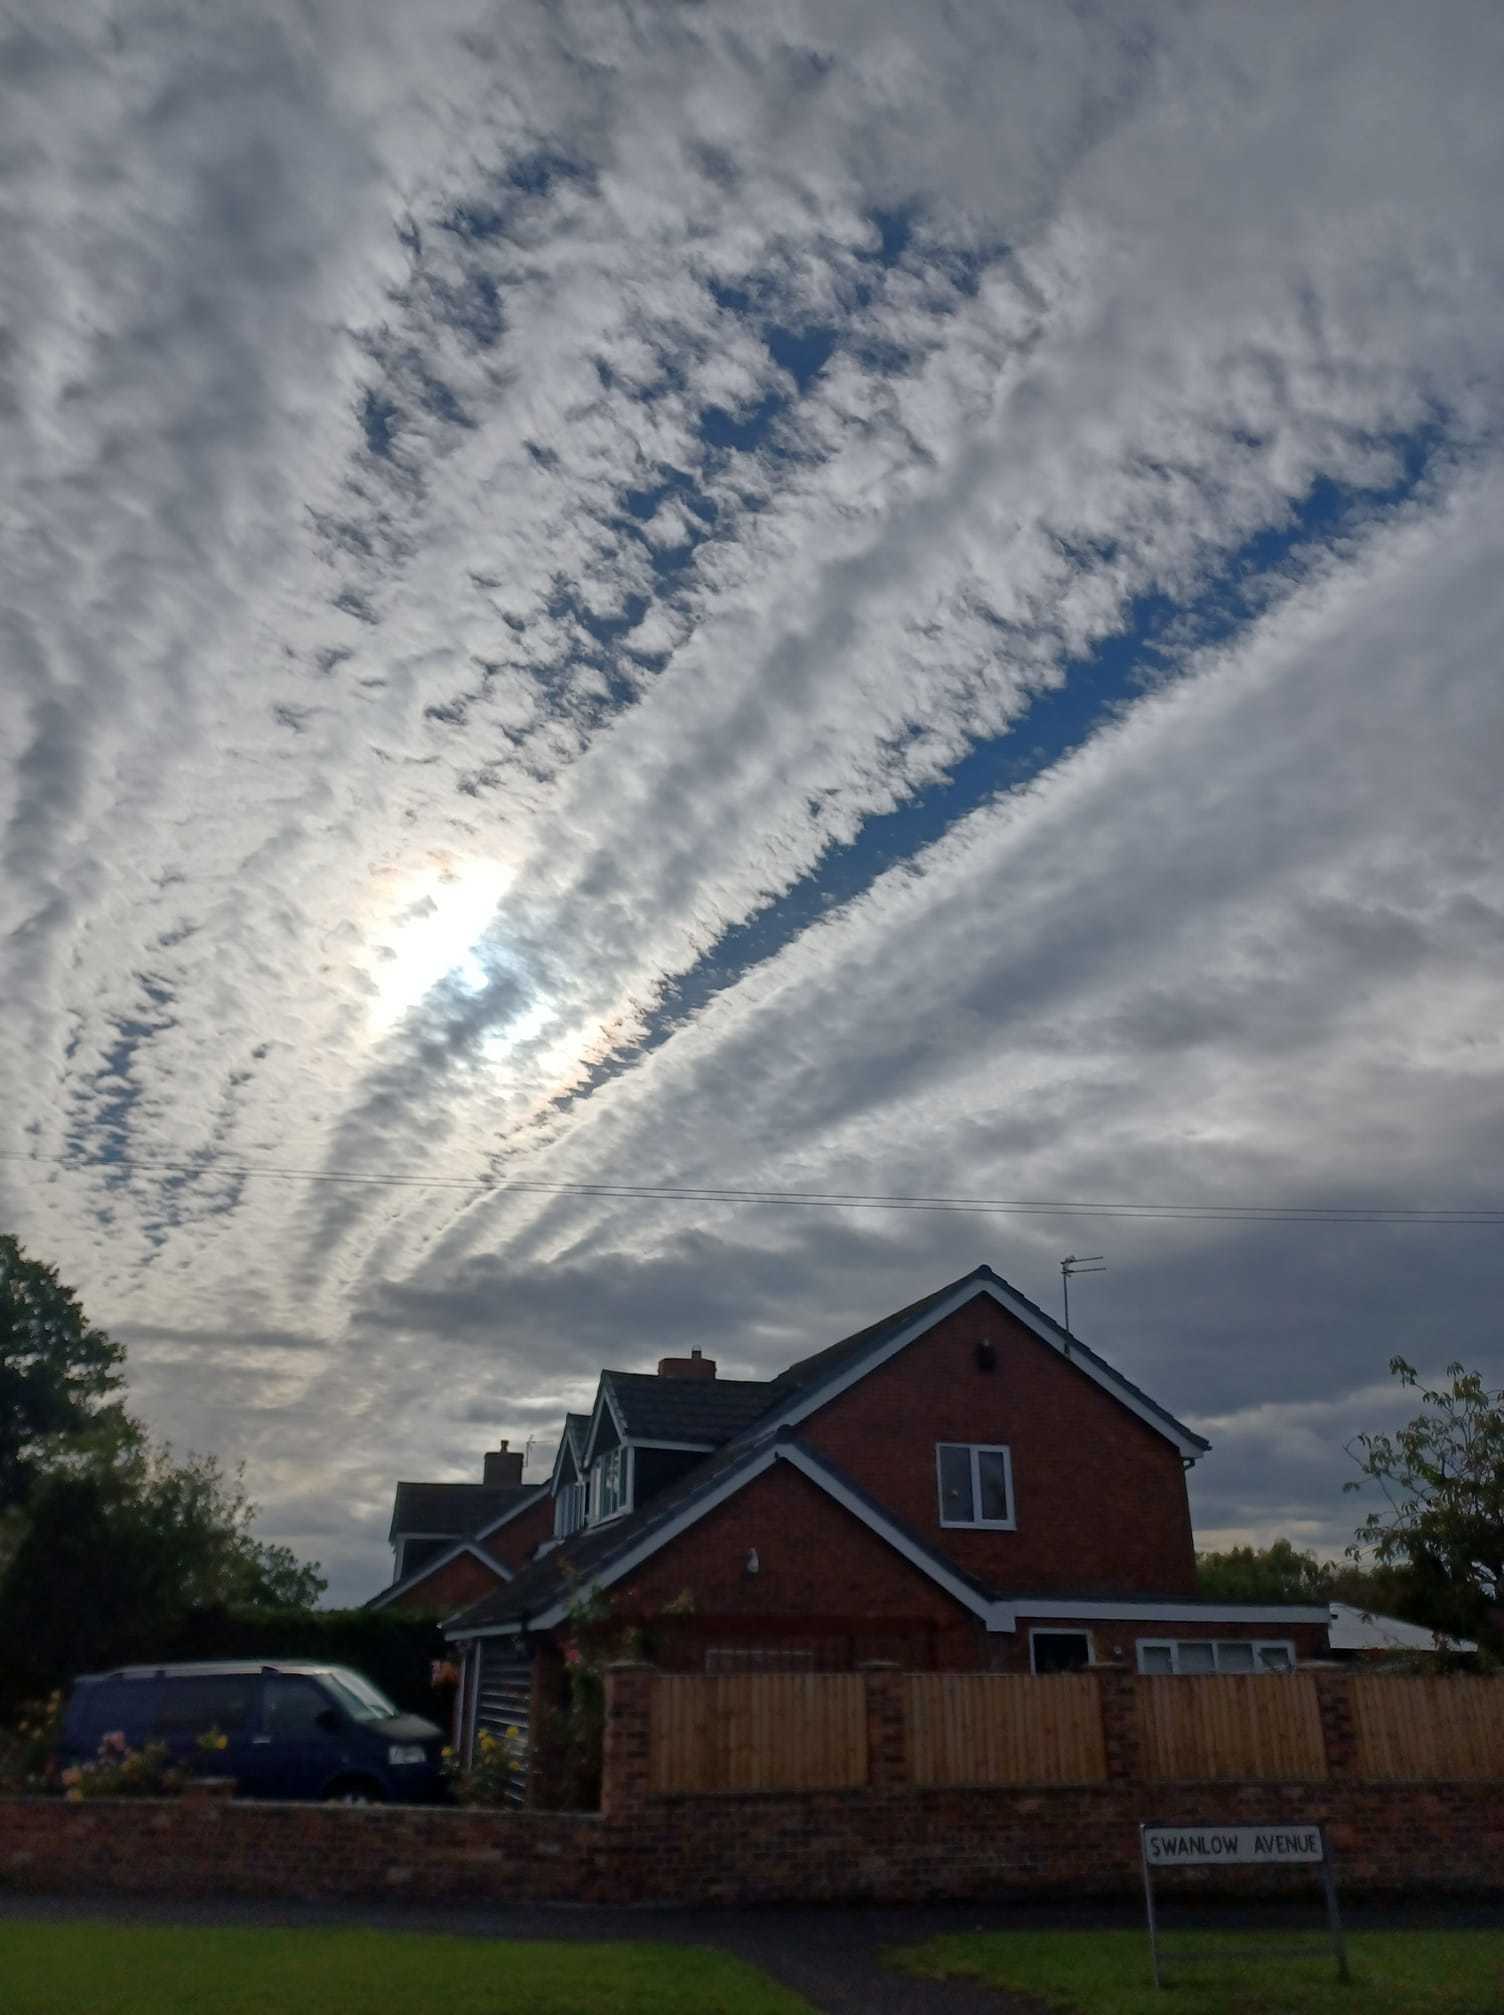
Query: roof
column 708, row 1410
column 211, row 1668
column 746, row 1417
column 453, row 1510
column 843, row 1362
column 542, row 1593
column 547, row 1584
column 1360, row 1630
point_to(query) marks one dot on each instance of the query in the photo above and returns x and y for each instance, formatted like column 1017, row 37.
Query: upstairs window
column 609, row 1477
column 976, row 1485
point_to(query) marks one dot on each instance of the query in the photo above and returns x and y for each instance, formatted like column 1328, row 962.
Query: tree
column 107, row 1541
column 121, row 1548
column 58, row 1374
column 1442, row 1477
column 1277, row 1573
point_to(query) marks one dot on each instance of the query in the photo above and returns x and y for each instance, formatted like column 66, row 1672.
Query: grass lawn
column 111, row 1969
column 1107, row 1972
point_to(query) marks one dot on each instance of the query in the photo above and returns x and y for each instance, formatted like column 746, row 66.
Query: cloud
column 582, row 476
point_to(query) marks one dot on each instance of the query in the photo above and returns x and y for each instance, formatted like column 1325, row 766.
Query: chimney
column 693, row 1366
column 503, row 1467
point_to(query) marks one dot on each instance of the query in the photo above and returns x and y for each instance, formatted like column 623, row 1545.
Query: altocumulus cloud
column 824, row 599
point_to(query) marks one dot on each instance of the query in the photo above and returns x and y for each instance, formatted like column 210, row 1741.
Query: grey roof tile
column 686, row 1409
column 453, row 1510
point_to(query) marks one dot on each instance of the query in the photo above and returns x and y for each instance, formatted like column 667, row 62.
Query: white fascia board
column 995, row 1615
column 603, row 1403
column 990, row 1612
column 1169, row 1612
column 661, row 1536
column 687, row 1447
column 563, row 1450
column 512, row 1511
column 821, row 1395
column 432, row 1567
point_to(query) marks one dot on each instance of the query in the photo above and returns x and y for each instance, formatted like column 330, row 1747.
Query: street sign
column 1162, row 1847
column 1204, row 1846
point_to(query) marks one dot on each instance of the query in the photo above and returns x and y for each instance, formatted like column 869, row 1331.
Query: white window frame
column 571, row 1509
column 1174, row 1645
column 618, row 1458
column 1062, row 1630
column 975, row 1449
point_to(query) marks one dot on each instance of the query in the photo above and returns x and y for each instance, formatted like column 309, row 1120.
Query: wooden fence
column 759, row 1731
column 999, row 1728
column 1253, row 1725
column 1429, row 1728
column 808, row 1731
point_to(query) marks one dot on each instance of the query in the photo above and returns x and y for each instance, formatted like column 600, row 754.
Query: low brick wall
column 892, row 1840
column 192, row 1847
column 751, row 1847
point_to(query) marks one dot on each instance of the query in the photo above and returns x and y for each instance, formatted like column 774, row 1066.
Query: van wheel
column 354, row 1791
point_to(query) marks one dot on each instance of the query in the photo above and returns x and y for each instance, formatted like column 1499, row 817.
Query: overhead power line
column 803, row 1198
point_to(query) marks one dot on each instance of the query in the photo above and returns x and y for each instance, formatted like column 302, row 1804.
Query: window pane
column 955, row 1484
column 193, row 1706
column 293, row 1707
column 1155, row 1658
column 1233, row 1657
column 1274, row 1657
column 1194, row 1657
column 992, row 1473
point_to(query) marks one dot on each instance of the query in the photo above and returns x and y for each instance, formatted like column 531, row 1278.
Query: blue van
column 292, row 1730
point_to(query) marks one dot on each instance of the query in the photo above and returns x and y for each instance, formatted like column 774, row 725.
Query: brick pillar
column 1339, row 1731
column 887, row 1725
column 627, row 1747
column 1119, row 1696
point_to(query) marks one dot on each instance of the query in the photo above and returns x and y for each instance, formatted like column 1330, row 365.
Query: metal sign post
column 1241, row 1847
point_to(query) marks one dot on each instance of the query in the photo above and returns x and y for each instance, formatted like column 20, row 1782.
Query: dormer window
column 609, row 1485
column 570, row 1508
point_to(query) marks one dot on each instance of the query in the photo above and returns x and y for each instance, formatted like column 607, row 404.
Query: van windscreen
column 358, row 1696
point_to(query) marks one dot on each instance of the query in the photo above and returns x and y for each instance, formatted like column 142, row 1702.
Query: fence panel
column 1448, row 1728
column 1260, row 1726
column 1004, row 1728
column 759, row 1731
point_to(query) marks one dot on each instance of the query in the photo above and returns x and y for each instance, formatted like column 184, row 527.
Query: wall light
column 754, row 1565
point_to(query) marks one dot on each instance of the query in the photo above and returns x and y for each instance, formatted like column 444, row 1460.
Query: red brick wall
column 1100, row 1497
column 513, row 1544
column 815, row 1561
column 457, row 1583
column 466, row 1579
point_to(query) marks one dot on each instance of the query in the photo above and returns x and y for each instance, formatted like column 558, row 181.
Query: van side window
column 192, row 1706
column 293, row 1707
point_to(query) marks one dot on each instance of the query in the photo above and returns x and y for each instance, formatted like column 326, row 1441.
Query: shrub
column 26, row 1747
column 119, row 1771
column 496, row 1770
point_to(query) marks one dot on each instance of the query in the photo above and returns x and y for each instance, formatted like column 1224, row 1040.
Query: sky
column 828, row 597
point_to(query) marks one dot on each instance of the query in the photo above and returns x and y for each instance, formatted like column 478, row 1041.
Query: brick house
column 962, row 1485
column 452, row 1543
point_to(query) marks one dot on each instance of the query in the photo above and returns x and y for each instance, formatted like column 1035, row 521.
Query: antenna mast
column 1070, row 1266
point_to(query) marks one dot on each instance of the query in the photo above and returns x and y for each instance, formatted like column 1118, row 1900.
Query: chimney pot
column 696, row 1365
column 503, row 1467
